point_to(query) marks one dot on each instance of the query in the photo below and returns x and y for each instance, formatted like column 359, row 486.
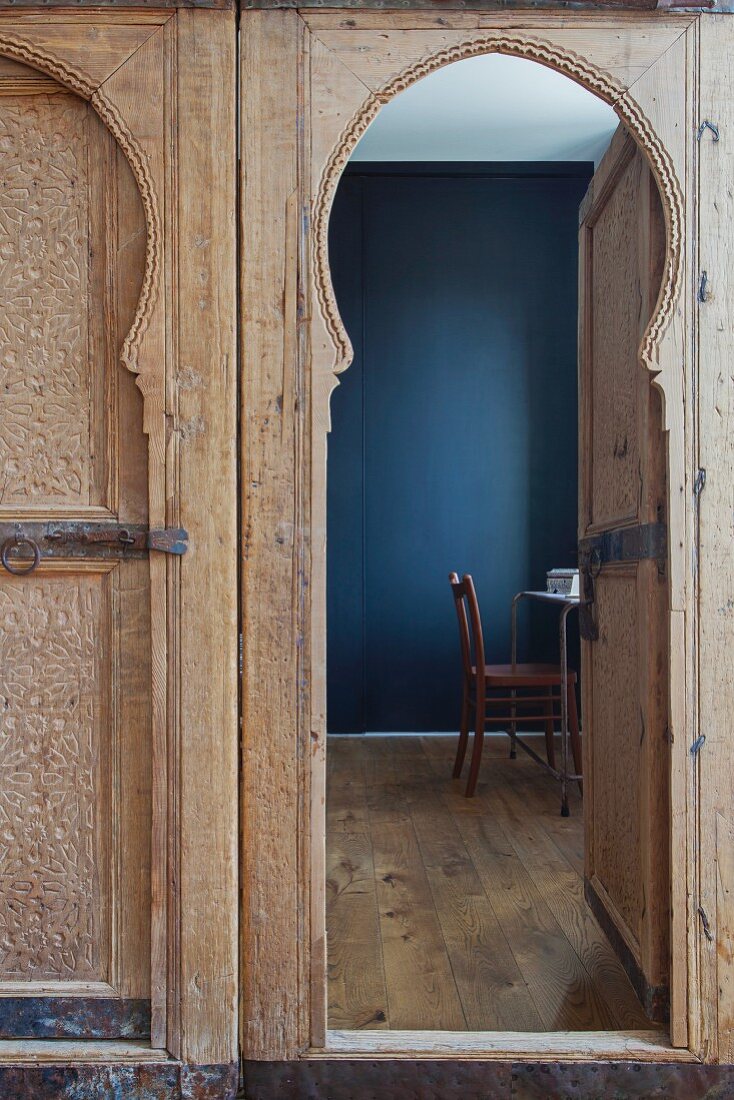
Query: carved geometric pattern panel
column 45, row 378
column 52, row 811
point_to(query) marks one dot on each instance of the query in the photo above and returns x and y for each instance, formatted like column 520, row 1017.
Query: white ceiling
column 487, row 108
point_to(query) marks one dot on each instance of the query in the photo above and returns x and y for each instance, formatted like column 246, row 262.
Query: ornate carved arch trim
column 564, row 61
column 139, row 165
column 78, row 82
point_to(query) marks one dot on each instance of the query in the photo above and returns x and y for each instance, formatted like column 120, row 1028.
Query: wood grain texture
column 491, row 988
column 274, row 922
column 79, row 713
column 666, row 93
column 625, row 672
column 616, row 856
column 376, row 56
column 715, row 763
column 480, row 921
column 545, row 1046
column 363, row 19
column 206, row 384
column 615, row 338
column 725, row 936
column 160, row 863
column 129, row 93
column 418, row 972
column 94, row 50
column 356, row 976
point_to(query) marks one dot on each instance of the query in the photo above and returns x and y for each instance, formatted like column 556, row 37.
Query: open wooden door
column 622, row 552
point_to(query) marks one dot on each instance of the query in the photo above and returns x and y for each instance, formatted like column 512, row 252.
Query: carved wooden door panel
column 623, row 547
column 75, row 632
column 118, row 868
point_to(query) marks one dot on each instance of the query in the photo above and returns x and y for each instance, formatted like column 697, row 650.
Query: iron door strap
column 619, row 544
column 24, row 545
column 646, row 540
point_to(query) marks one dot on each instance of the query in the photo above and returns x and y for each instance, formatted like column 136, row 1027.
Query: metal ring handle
column 27, row 565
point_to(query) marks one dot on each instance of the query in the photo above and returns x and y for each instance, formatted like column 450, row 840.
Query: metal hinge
column 241, row 654
column 618, row 544
column 646, row 540
column 24, row 545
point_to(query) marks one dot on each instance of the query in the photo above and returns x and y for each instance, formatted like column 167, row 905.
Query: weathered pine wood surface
column 715, row 444
column 623, row 482
column 162, row 81
column 119, row 403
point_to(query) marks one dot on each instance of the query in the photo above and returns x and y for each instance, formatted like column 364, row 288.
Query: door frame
column 316, row 79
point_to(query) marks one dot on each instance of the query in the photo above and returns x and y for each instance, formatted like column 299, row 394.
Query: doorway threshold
column 572, row 1046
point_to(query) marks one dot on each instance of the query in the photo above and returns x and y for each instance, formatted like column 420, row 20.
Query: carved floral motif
column 78, row 81
column 49, row 688
column 45, row 399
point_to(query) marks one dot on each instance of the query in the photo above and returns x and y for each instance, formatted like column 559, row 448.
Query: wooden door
column 622, row 534
column 118, row 652
column 75, row 632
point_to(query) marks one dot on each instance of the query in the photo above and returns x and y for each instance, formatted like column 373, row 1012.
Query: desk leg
column 564, row 712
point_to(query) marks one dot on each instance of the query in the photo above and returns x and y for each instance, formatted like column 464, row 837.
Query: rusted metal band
column 22, row 542
column 164, row 1080
column 473, row 1079
column 439, row 6
column 74, row 1018
column 79, row 5
column 647, row 540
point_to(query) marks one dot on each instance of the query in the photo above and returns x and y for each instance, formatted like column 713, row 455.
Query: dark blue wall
column 454, row 432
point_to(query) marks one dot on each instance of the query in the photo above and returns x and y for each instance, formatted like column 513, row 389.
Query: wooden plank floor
column 446, row 913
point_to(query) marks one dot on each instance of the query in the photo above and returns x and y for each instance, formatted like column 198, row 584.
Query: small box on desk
column 564, row 582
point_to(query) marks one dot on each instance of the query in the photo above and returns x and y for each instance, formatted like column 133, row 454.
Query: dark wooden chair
column 483, row 682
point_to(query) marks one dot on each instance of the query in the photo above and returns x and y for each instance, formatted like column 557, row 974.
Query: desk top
column 550, row 597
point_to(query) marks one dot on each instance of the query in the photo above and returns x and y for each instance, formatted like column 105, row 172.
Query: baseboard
column 450, row 1079
column 655, row 999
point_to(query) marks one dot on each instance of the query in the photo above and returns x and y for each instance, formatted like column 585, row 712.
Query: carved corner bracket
column 569, row 64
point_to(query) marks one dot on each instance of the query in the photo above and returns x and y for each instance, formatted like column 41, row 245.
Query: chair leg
column 573, row 729
column 476, row 756
column 463, row 736
column 513, row 731
column 550, row 746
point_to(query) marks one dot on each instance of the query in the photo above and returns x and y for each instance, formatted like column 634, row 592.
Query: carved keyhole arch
column 568, row 64
column 77, row 82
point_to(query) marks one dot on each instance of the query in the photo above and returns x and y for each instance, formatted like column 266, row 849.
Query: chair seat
column 523, row 675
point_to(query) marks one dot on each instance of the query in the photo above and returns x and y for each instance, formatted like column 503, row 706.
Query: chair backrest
column 471, row 637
